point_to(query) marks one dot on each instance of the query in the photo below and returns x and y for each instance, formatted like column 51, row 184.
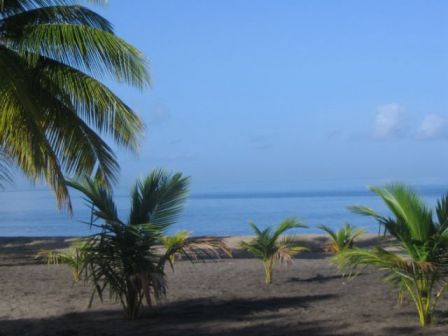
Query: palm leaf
column 287, row 224
column 92, row 50
column 159, row 198
column 442, row 213
column 408, row 208
column 5, row 171
column 92, row 101
column 23, row 139
column 99, row 199
column 72, row 14
column 328, row 230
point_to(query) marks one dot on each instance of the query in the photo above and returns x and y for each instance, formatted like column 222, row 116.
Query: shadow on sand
column 317, row 278
column 192, row 317
column 20, row 251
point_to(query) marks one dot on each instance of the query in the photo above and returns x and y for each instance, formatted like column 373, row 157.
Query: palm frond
column 395, row 265
column 99, row 199
column 255, row 228
column 74, row 257
column 330, row 231
column 287, row 224
column 91, row 101
column 14, row 25
column 442, row 213
column 159, row 198
column 365, row 211
column 287, row 248
column 408, row 208
column 91, row 50
column 192, row 248
column 5, row 170
column 22, row 137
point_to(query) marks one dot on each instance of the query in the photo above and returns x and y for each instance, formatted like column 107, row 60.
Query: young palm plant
column 53, row 106
column 270, row 246
column 74, row 257
column 342, row 239
column 417, row 264
column 181, row 244
column 123, row 258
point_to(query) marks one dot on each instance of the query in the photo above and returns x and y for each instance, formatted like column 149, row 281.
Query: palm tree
column 343, row 238
column 269, row 246
column 417, row 264
column 52, row 107
column 124, row 257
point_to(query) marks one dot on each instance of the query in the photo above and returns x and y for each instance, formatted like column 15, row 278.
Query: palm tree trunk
column 424, row 313
column 268, row 271
column 132, row 309
column 423, row 301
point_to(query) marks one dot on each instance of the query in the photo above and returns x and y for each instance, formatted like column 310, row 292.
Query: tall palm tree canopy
column 53, row 107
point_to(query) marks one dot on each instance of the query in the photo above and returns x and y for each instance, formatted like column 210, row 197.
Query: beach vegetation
column 53, row 106
column 124, row 258
column 270, row 245
column 417, row 261
column 183, row 245
column 343, row 238
column 74, row 257
column 128, row 258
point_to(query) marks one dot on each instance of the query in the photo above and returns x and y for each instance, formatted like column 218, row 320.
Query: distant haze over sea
column 214, row 212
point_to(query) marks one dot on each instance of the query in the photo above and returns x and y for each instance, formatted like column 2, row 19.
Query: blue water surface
column 34, row 212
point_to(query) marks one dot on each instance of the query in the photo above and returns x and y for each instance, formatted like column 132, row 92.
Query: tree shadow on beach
column 190, row 317
column 75, row 326
column 20, row 251
column 410, row 331
column 213, row 309
column 317, row 278
column 274, row 316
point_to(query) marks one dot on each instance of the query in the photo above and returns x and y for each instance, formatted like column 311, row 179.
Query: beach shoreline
column 22, row 250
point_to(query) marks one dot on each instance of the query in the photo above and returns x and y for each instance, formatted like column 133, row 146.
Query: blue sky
column 282, row 93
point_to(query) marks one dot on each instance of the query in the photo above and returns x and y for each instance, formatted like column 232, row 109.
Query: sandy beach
column 224, row 297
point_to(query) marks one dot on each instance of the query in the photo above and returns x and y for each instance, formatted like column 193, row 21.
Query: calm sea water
column 34, row 213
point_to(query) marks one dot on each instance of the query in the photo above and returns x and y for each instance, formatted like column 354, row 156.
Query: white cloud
column 390, row 121
column 433, row 126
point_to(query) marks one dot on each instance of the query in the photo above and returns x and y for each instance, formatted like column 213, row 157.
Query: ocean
column 34, row 213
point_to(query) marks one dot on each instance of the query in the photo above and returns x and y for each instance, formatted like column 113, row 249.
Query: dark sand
column 227, row 297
